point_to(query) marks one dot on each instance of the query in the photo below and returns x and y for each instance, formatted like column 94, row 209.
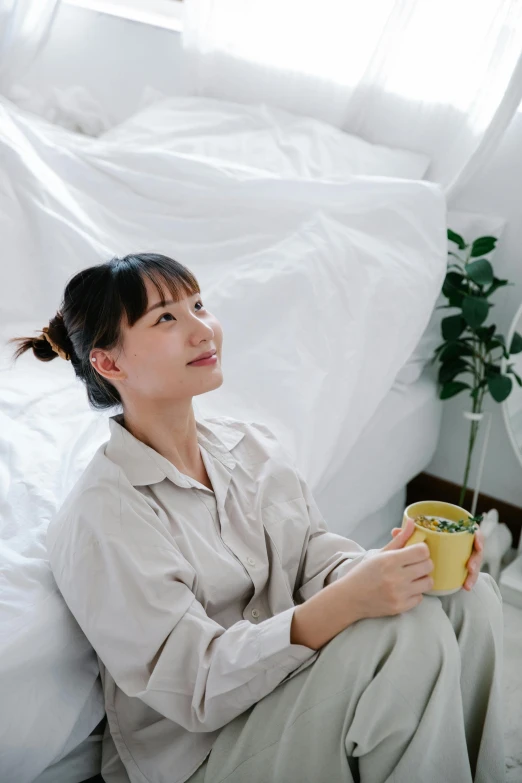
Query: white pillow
column 263, row 139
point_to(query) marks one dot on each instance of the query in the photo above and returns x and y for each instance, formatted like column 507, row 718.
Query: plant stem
column 471, row 443
column 476, row 408
column 473, row 424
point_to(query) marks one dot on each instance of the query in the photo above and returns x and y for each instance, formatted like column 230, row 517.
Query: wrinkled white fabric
column 262, row 138
column 323, row 288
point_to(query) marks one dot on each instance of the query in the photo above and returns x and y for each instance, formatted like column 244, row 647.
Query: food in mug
column 442, row 525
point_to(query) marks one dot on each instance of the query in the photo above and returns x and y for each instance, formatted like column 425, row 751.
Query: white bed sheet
column 335, row 280
column 264, row 139
column 397, row 444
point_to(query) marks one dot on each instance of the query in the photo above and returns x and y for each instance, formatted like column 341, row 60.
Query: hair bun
column 56, row 335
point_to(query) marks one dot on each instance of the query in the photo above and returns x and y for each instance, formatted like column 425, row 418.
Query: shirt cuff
column 275, row 648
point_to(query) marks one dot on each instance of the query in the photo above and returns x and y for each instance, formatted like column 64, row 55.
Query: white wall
column 116, row 59
column 113, row 58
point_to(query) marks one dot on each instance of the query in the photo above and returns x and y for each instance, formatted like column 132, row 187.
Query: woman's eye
column 164, row 314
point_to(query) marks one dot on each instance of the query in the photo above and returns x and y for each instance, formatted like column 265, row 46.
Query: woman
column 239, row 639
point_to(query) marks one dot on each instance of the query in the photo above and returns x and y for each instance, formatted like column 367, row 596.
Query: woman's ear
column 106, row 365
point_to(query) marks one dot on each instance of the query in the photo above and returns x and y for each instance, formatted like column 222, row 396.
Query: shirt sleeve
column 328, row 556
column 131, row 595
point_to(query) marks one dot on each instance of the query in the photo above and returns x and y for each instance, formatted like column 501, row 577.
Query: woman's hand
column 475, row 559
column 392, row 581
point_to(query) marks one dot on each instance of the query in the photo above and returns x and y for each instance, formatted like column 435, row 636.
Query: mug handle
column 416, row 537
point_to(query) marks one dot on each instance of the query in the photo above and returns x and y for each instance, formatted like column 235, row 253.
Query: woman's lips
column 204, row 362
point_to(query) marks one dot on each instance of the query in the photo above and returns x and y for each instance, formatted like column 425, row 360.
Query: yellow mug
column 449, row 552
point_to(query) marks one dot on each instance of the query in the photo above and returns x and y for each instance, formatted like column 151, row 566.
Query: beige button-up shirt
column 187, row 594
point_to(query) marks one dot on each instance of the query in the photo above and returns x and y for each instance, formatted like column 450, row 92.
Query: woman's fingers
column 473, row 566
column 475, row 560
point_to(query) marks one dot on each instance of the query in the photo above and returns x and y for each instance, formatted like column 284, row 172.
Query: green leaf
column 474, row 310
column 485, row 333
column 516, row 343
column 497, row 342
column 519, row 379
column 497, row 283
column 455, row 280
column 450, row 369
column 490, row 370
column 452, row 388
column 455, row 286
column 453, row 237
column 494, row 343
column 481, row 272
column 454, row 349
column 500, row 387
column 452, row 327
column 483, row 245
column 454, row 299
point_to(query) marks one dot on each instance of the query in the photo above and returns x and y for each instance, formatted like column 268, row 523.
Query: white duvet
column 323, row 285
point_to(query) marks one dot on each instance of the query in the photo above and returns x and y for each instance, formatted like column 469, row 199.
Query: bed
column 344, row 241
column 367, row 496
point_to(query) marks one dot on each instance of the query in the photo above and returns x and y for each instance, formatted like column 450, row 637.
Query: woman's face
column 154, row 362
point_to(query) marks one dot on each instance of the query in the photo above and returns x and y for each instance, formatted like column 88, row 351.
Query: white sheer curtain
column 443, row 78
column 24, row 27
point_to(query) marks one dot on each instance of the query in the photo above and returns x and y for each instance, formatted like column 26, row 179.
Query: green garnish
column 469, row 525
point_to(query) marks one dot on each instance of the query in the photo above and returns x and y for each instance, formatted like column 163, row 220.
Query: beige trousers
column 413, row 698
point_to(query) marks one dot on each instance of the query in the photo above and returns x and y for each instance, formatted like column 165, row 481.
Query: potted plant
column 470, row 345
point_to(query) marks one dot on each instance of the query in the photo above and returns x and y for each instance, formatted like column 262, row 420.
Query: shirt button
column 255, row 613
column 251, row 561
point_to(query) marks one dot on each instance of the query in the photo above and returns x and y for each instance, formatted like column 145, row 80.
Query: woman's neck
column 172, row 433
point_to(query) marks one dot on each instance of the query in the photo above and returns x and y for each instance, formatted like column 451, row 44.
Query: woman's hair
column 94, row 303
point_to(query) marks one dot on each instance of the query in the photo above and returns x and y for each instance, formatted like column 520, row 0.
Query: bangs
column 171, row 279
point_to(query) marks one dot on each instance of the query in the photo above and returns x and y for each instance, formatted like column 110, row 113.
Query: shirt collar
column 143, row 465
